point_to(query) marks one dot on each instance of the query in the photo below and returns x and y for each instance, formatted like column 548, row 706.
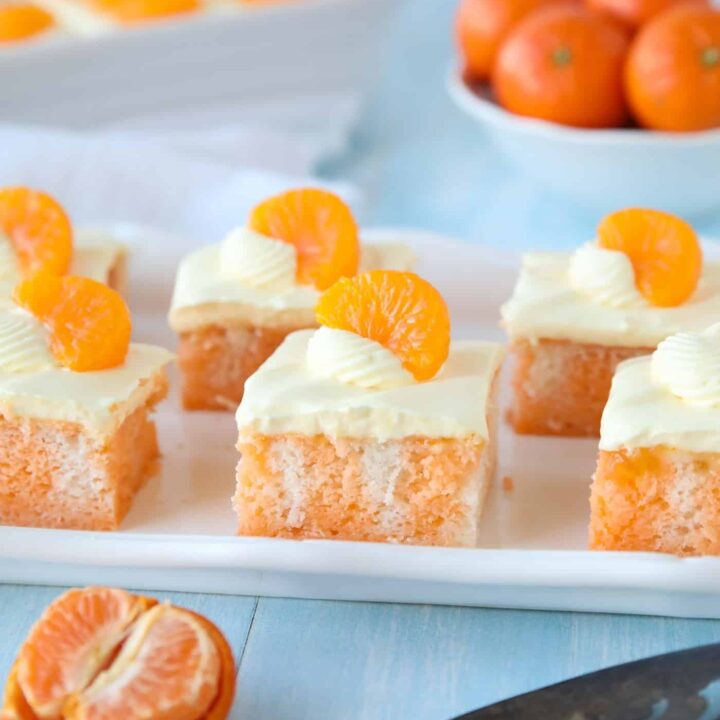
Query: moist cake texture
column 322, row 458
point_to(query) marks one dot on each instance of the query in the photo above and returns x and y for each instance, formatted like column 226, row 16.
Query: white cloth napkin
column 198, row 177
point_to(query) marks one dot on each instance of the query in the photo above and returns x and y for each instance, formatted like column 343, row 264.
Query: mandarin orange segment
column 38, row 228
column 136, row 11
column 105, row 654
column 167, row 669
column 399, row 310
column 664, row 251
column 15, row 706
column 19, row 21
column 74, row 638
column 89, row 323
column 320, row 226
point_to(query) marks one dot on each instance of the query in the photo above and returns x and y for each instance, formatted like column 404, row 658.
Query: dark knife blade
column 665, row 686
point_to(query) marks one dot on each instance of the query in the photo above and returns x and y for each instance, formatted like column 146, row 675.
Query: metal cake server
column 665, row 687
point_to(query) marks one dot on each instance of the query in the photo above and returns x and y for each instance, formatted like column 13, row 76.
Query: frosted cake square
column 657, row 483
column 234, row 302
column 76, row 437
column 339, row 441
column 573, row 317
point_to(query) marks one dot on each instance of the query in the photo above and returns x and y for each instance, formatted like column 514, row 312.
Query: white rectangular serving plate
column 235, row 58
column 179, row 534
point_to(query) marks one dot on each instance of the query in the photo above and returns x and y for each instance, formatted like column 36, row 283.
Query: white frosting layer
column 605, row 276
column 24, row 344
column 349, row 358
column 286, row 395
column 688, row 365
column 95, row 254
column 99, row 401
column 643, row 413
column 258, row 261
column 205, row 294
column 546, row 304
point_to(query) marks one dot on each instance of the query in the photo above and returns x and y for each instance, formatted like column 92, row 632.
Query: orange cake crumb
column 508, row 484
column 656, row 499
column 561, row 387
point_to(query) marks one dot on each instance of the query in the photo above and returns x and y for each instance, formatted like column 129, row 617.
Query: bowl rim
column 493, row 114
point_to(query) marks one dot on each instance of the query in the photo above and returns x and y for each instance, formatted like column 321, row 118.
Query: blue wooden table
column 421, row 164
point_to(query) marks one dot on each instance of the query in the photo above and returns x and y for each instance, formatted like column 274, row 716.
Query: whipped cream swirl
column 607, row 276
column 355, row 360
column 23, row 344
column 258, row 261
column 688, row 365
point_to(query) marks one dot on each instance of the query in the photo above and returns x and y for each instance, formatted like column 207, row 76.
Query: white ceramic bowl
column 604, row 169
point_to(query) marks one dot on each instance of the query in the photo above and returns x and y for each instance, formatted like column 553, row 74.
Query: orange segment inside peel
column 399, row 310
column 89, row 323
column 664, row 251
column 38, row 228
column 104, row 653
column 320, row 226
column 19, row 21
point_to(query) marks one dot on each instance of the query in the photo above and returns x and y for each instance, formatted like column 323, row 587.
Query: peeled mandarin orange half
column 72, row 641
column 320, row 226
column 399, row 310
column 167, row 668
column 138, row 11
column 664, row 251
column 104, row 654
column 89, row 323
column 20, row 21
column 38, row 228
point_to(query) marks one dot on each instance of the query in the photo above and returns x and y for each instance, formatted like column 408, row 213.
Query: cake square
column 227, row 326
column 572, row 318
column 657, row 482
column 321, row 458
column 76, row 447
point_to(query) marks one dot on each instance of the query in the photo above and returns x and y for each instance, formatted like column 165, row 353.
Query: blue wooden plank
column 373, row 662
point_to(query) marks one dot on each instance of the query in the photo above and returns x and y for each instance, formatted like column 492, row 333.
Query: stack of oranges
column 597, row 63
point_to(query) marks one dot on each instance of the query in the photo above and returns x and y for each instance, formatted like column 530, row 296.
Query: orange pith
column 135, row 11
column 320, row 226
column 399, row 310
column 19, row 20
column 89, row 323
column 38, row 228
column 106, row 654
column 664, row 251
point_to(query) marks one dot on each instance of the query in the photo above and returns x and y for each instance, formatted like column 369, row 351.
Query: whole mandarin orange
column 672, row 74
column 482, row 25
column 564, row 64
column 635, row 13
